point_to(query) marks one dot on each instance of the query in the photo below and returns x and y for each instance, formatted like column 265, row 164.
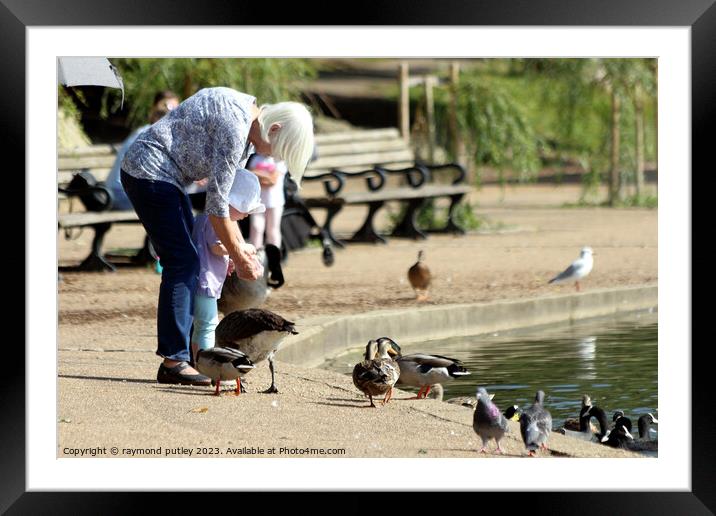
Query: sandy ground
column 107, row 330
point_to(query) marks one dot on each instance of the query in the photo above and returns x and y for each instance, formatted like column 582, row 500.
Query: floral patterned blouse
column 205, row 137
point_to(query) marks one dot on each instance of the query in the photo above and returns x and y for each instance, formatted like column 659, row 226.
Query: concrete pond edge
column 325, row 337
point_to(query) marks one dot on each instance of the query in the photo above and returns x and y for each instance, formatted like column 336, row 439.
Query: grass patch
column 431, row 217
column 633, row 201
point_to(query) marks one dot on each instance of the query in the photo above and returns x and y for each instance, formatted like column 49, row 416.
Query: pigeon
column 536, row 425
column 419, row 277
column 487, row 421
column 578, row 270
column 257, row 333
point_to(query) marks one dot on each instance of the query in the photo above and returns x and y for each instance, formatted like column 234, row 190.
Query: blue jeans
column 165, row 213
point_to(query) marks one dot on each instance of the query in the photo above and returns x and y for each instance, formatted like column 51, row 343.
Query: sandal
column 174, row 375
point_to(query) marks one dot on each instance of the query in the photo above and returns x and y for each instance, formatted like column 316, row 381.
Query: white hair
column 293, row 142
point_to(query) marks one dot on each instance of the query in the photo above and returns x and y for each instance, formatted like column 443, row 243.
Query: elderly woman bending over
column 209, row 136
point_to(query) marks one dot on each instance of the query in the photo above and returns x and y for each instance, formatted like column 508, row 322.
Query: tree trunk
column 639, row 114
column 457, row 147
column 430, row 116
column 614, row 180
column 404, row 106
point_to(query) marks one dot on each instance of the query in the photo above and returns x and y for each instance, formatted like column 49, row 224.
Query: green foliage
column 633, row 201
column 66, row 105
column 493, row 123
column 270, row 80
column 430, row 217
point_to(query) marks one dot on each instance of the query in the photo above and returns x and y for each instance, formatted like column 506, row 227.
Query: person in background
column 164, row 102
column 214, row 263
column 271, row 177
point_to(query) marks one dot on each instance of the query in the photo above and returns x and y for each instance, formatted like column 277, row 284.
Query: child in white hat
column 244, row 200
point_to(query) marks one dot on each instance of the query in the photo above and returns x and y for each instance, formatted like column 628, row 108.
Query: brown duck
column 378, row 372
column 419, row 277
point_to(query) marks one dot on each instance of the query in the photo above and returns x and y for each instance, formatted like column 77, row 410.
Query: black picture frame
column 699, row 15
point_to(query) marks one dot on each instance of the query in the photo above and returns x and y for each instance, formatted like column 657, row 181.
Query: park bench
column 373, row 167
column 98, row 160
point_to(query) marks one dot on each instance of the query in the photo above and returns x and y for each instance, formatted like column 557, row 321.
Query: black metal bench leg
column 408, row 227
column 451, row 226
column 95, row 261
column 326, row 231
column 367, row 232
column 146, row 254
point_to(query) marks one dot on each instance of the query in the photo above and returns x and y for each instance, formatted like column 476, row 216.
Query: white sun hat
column 245, row 193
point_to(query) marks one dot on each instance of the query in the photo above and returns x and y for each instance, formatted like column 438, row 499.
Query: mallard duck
column 536, row 425
column 512, row 413
column 377, row 373
column 423, row 371
column 487, row 421
column 419, row 277
column 223, row 364
column 578, row 269
column 256, row 332
column 240, row 294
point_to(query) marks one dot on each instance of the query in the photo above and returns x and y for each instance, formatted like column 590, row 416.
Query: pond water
column 614, row 360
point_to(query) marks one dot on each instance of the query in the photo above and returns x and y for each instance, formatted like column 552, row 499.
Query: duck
column 487, row 421
column 619, row 436
column 587, row 431
column 423, row 371
column 578, row 270
column 620, row 419
column 419, row 277
column 575, row 424
column 257, row 333
column 378, row 372
column 644, row 443
column 240, row 294
column 223, row 364
column 511, row 413
column 535, row 425
column 644, row 425
column 437, row 392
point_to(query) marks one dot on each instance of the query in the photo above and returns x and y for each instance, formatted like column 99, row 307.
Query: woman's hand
column 247, row 265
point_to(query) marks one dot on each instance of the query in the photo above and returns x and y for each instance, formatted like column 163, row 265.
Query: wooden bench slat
column 100, row 174
column 361, row 147
column 397, row 194
column 69, row 220
column 91, row 150
column 357, row 135
column 85, row 162
column 367, row 159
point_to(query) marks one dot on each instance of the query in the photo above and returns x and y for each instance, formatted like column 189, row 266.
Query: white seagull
column 578, row 270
